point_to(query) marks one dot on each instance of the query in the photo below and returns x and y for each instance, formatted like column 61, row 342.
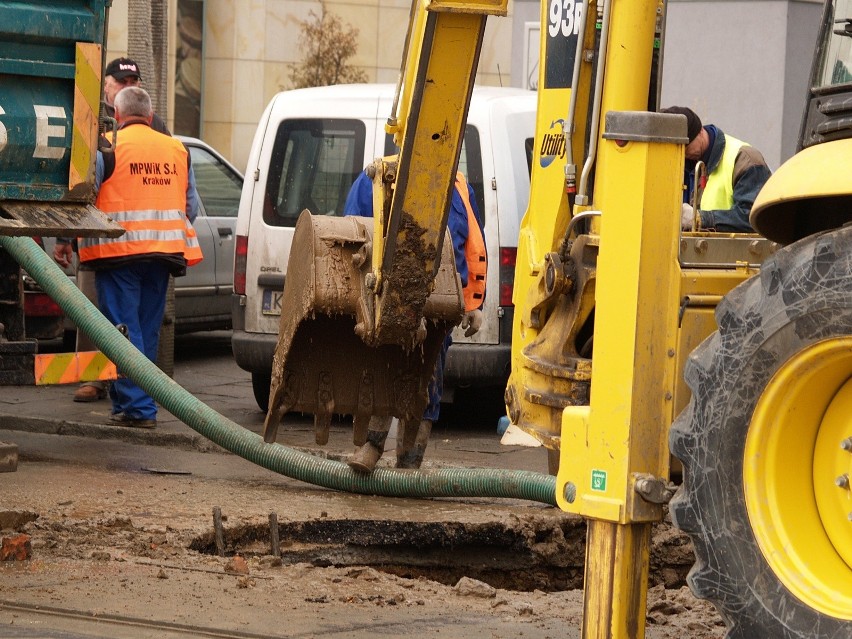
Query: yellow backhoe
column 613, row 302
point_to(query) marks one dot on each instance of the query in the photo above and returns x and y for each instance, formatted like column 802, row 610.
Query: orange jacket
column 146, row 194
column 474, row 252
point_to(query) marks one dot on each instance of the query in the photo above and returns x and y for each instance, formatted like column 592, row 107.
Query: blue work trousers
column 436, row 383
column 135, row 295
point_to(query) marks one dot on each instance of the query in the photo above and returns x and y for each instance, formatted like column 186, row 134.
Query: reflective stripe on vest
column 474, row 253
column 718, row 193
column 146, row 194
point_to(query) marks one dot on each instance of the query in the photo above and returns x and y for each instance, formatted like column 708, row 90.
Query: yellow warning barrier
column 67, row 368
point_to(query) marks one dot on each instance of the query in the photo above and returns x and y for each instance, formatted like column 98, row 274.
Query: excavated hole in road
column 533, row 553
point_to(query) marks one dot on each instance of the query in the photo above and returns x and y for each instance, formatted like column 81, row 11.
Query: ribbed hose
column 236, row 439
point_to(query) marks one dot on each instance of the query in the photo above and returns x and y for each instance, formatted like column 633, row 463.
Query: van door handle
column 225, row 231
column 271, row 280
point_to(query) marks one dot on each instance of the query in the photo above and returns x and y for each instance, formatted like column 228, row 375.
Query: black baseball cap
column 693, row 122
column 121, row 68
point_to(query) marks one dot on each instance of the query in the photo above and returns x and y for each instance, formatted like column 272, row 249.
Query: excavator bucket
column 321, row 363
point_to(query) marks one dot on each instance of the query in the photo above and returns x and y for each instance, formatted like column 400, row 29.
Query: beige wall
column 248, row 45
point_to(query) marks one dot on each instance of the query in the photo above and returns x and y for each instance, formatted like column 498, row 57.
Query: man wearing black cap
column 120, row 73
column 735, row 174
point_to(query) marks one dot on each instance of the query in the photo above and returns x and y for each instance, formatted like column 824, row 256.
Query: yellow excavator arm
column 603, row 267
column 369, row 302
column 427, row 121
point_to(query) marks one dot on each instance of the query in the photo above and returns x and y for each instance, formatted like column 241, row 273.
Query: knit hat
column 121, row 68
column 693, row 122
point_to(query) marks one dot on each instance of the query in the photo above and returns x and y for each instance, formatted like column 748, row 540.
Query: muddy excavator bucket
column 321, row 363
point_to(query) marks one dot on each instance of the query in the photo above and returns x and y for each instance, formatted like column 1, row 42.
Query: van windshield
column 314, row 162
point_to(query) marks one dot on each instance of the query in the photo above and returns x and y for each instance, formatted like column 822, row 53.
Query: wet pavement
column 123, row 525
column 204, row 366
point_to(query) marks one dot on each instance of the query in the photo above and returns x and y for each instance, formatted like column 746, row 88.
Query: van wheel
column 260, row 383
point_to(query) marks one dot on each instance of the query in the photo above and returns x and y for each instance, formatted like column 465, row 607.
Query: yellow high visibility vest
column 718, row 194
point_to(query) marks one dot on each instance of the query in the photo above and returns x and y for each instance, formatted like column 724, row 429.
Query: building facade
column 227, row 58
column 740, row 64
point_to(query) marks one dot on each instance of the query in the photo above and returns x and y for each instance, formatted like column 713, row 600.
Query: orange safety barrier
column 67, row 368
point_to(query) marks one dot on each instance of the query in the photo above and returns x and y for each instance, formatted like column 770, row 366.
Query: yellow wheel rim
column 794, row 462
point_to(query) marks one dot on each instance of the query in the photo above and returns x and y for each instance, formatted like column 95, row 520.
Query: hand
column 63, row 253
column 471, row 322
column 687, row 217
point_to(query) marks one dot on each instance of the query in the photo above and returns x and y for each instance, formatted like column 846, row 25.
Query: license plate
column 271, row 301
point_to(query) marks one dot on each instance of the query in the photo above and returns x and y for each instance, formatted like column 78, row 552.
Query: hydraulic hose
column 454, row 482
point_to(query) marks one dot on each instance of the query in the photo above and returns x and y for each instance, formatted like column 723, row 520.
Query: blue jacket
column 360, row 202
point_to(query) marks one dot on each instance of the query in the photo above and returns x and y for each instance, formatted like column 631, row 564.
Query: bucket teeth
column 322, row 424
column 270, row 431
column 359, row 428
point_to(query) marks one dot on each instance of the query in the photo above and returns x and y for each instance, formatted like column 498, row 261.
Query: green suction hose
column 240, row 441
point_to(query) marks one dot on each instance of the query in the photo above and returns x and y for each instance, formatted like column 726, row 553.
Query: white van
column 310, row 146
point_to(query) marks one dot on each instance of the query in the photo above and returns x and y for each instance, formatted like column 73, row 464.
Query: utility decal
column 599, row 480
column 552, row 144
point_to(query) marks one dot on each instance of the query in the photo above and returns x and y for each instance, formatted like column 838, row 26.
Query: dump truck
column 51, row 57
column 51, row 61
column 631, row 337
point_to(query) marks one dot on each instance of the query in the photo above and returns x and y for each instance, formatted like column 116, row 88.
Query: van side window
column 314, row 162
column 470, row 164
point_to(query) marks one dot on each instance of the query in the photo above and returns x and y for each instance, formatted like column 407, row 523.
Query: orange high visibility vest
column 474, row 253
column 146, row 194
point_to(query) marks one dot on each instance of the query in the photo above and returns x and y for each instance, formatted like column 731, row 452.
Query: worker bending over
column 736, row 171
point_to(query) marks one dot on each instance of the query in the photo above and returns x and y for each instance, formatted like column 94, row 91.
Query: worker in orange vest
column 145, row 186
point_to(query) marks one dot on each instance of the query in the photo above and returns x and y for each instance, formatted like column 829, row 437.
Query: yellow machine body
column 816, row 179
column 610, row 295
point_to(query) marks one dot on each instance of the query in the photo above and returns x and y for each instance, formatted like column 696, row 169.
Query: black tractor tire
column 802, row 296
column 260, row 383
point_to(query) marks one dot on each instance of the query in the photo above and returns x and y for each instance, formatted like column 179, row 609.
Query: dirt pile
column 124, row 545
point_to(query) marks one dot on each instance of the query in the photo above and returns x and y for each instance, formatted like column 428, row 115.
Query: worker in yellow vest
column 145, row 186
column 735, row 173
column 465, row 228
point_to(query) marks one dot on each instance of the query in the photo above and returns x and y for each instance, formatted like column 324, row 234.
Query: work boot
column 90, row 392
column 120, row 419
column 411, row 456
column 365, row 457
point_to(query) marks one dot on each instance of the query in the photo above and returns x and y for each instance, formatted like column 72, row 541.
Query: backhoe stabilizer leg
column 610, row 447
column 617, row 557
